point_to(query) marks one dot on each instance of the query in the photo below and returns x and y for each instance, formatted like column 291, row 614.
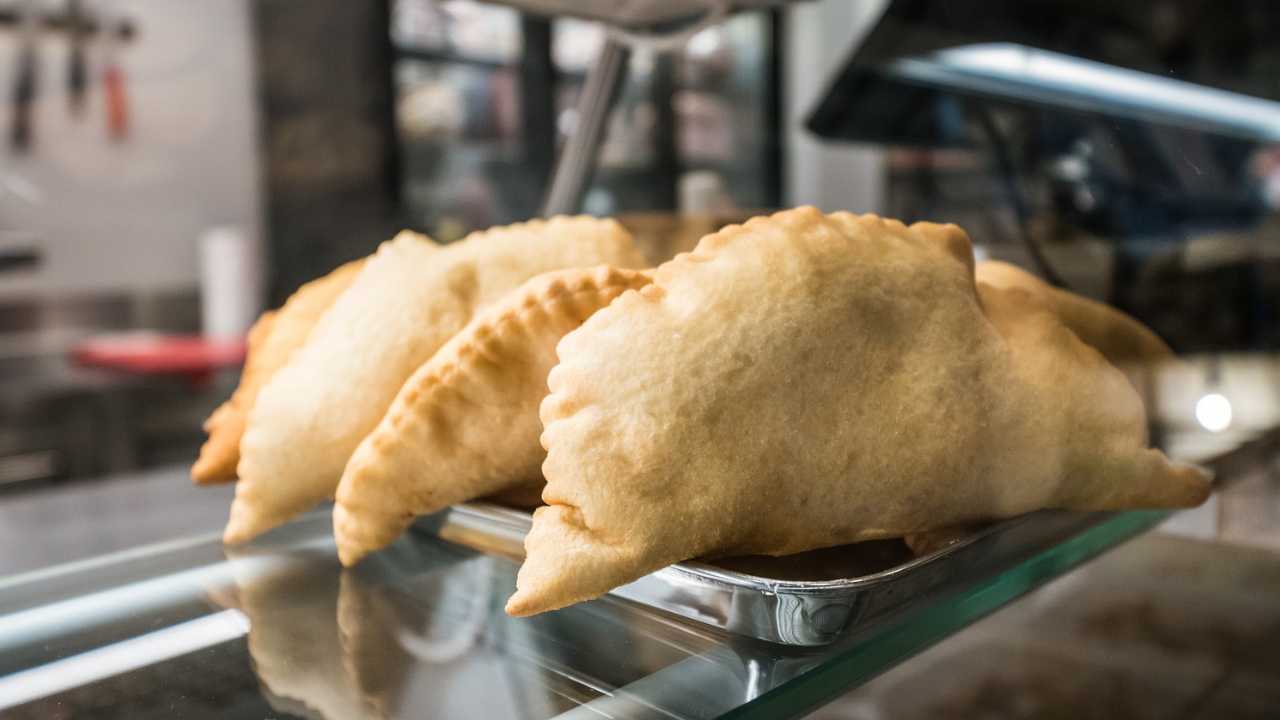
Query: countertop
column 74, row 520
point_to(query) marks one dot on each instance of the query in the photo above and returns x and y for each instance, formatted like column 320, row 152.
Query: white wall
column 128, row 215
column 833, row 176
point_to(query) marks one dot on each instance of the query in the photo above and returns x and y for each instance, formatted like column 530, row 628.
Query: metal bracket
column 578, row 158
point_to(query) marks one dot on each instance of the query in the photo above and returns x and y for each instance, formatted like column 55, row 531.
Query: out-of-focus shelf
column 449, row 57
column 408, row 52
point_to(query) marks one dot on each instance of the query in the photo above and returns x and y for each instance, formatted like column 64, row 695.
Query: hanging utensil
column 21, row 133
column 113, row 82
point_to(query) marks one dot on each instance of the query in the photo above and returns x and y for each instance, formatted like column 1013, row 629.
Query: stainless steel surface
column 636, row 13
column 578, row 158
column 787, row 611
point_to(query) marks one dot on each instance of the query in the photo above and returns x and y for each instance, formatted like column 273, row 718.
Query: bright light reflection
column 121, row 657
column 1010, row 69
column 1213, row 412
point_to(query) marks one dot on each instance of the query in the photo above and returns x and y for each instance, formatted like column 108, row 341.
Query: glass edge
column 918, row 631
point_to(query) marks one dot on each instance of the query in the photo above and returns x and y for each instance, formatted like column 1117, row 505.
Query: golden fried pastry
column 406, row 303
column 1125, row 342
column 1120, row 338
column 466, row 424
column 272, row 339
column 809, row 380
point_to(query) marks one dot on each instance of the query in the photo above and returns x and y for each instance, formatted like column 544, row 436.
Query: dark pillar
column 327, row 133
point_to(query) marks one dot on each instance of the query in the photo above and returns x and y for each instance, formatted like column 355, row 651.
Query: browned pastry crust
column 272, row 339
column 808, row 380
column 1125, row 342
column 466, row 424
column 409, row 300
column 1120, row 338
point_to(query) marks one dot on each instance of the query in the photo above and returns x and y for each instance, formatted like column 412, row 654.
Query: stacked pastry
column 344, row 366
column 796, row 382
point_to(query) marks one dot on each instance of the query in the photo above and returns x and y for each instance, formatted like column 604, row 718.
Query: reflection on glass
column 293, row 638
column 419, row 629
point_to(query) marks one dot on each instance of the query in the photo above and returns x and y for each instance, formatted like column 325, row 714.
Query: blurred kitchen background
column 168, row 170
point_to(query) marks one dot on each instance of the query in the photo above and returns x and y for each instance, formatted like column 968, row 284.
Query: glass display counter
column 190, row 629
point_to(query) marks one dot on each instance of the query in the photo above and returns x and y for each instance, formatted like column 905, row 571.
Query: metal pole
column 578, row 158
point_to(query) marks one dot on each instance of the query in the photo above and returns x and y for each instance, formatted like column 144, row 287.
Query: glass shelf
column 190, row 629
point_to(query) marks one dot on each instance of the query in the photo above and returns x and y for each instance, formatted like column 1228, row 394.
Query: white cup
column 230, row 283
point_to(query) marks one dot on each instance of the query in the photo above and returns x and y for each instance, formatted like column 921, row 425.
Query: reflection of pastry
column 406, row 303
column 466, row 424
column 418, row 631
column 384, row 631
column 293, row 639
column 803, row 381
column 1125, row 342
column 368, row 624
column 272, row 339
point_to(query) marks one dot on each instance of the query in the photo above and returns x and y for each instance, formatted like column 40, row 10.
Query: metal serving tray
column 637, row 13
column 754, row 599
column 819, row 598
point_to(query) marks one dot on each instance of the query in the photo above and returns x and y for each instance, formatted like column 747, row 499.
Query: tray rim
column 705, row 571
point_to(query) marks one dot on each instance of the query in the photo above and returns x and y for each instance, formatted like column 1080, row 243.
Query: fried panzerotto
column 1122, row 340
column 808, row 380
column 272, row 340
column 294, row 638
column 466, row 424
column 409, row 299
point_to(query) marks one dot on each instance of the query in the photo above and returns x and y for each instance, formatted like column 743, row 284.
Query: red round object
column 156, row 354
